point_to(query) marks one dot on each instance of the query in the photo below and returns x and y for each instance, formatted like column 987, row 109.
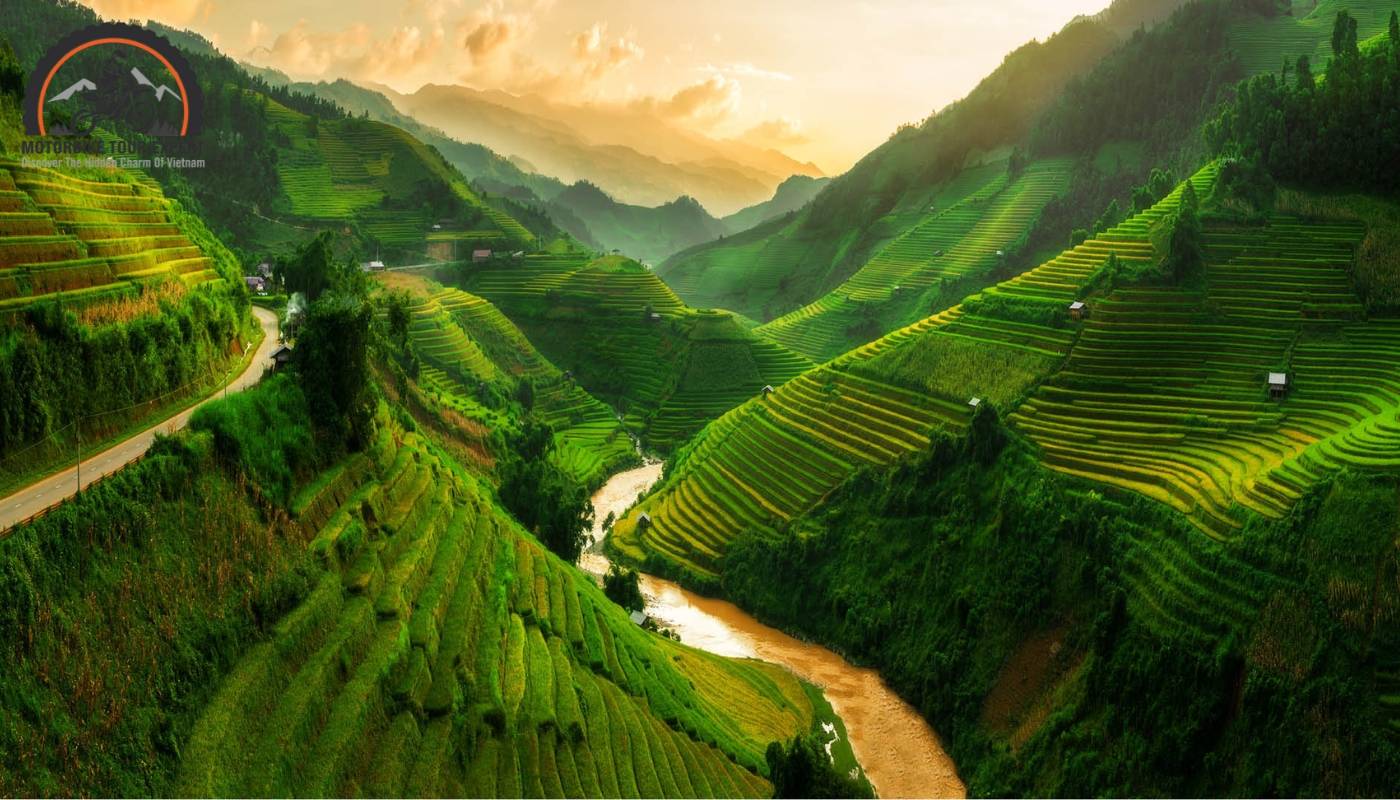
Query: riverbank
column 900, row 754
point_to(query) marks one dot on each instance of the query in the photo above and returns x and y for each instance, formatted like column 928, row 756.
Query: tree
column 1394, row 28
column 802, row 769
column 315, row 269
column 332, row 359
column 1344, row 35
column 398, row 315
column 1305, row 76
column 548, row 501
column 1185, row 252
column 624, row 587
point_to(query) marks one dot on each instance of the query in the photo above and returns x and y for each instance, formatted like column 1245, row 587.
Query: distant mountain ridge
column 628, row 154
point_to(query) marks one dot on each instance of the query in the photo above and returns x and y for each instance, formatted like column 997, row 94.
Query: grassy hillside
column 1303, row 29
column 476, row 362
column 292, row 164
column 647, row 234
column 371, row 623
column 382, row 179
column 776, row 457
column 791, row 195
column 116, row 307
column 776, row 269
column 626, row 338
column 927, row 268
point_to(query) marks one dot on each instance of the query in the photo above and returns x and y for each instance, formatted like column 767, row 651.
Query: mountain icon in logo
column 82, row 85
column 161, row 90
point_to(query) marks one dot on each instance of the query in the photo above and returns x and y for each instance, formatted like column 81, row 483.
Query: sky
column 822, row 81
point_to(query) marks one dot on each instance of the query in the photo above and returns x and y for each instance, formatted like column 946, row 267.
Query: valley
column 500, row 410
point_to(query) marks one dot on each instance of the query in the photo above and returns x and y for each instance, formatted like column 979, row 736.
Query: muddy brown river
column 900, row 753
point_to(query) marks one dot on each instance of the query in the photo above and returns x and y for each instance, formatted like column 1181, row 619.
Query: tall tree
column 1344, row 35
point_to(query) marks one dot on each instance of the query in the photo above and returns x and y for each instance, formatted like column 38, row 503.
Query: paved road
column 59, row 487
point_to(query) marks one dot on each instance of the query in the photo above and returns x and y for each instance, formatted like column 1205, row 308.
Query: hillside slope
column 383, row 629
column 870, row 406
column 631, row 155
column 773, row 271
column 646, row 234
column 476, row 361
column 627, row 339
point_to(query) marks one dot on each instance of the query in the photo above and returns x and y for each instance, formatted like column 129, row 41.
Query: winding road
column 60, row 486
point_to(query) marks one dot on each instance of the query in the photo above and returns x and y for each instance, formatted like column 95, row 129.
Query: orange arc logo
column 184, row 99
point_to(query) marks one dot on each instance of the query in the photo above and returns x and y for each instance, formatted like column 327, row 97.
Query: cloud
column 744, row 69
column 598, row 57
column 779, row 132
column 170, row 12
column 490, row 38
column 707, row 102
column 356, row 52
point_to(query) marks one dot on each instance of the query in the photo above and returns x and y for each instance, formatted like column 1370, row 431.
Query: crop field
column 949, row 243
column 464, row 341
column 1165, row 391
column 677, row 370
column 1263, row 44
column 445, row 652
column 83, row 241
column 778, row 456
column 357, row 170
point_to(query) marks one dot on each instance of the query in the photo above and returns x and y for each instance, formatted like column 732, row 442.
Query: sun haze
column 823, row 81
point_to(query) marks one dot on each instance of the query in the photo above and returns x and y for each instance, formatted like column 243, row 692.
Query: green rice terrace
column 467, row 344
column 82, row 241
column 621, row 332
column 377, row 176
column 442, row 651
column 777, row 456
column 950, row 244
column 1262, row 44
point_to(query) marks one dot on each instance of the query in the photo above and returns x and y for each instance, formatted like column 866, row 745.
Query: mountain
column 628, row 153
column 648, row 234
column 479, row 164
column 790, row 195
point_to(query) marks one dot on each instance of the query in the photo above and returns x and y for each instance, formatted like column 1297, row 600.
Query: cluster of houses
column 260, row 282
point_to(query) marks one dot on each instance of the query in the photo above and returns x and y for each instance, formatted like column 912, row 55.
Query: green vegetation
column 940, row 259
column 791, row 262
column 627, row 339
column 1329, row 134
column 1065, row 642
column 776, row 457
column 546, row 500
column 475, row 362
column 801, row 768
column 623, row 586
column 115, row 306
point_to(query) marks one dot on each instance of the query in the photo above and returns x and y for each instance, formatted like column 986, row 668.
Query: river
column 900, row 753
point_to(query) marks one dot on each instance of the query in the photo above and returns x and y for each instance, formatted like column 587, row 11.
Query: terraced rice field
column 339, row 170
column 82, row 241
column 777, row 456
column 465, row 341
column 444, row 652
column 1263, row 44
column 591, row 438
column 676, row 371
column 949, row 244
column 1165, row 391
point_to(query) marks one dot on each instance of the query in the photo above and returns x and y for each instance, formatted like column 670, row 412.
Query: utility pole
column 78, row 443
